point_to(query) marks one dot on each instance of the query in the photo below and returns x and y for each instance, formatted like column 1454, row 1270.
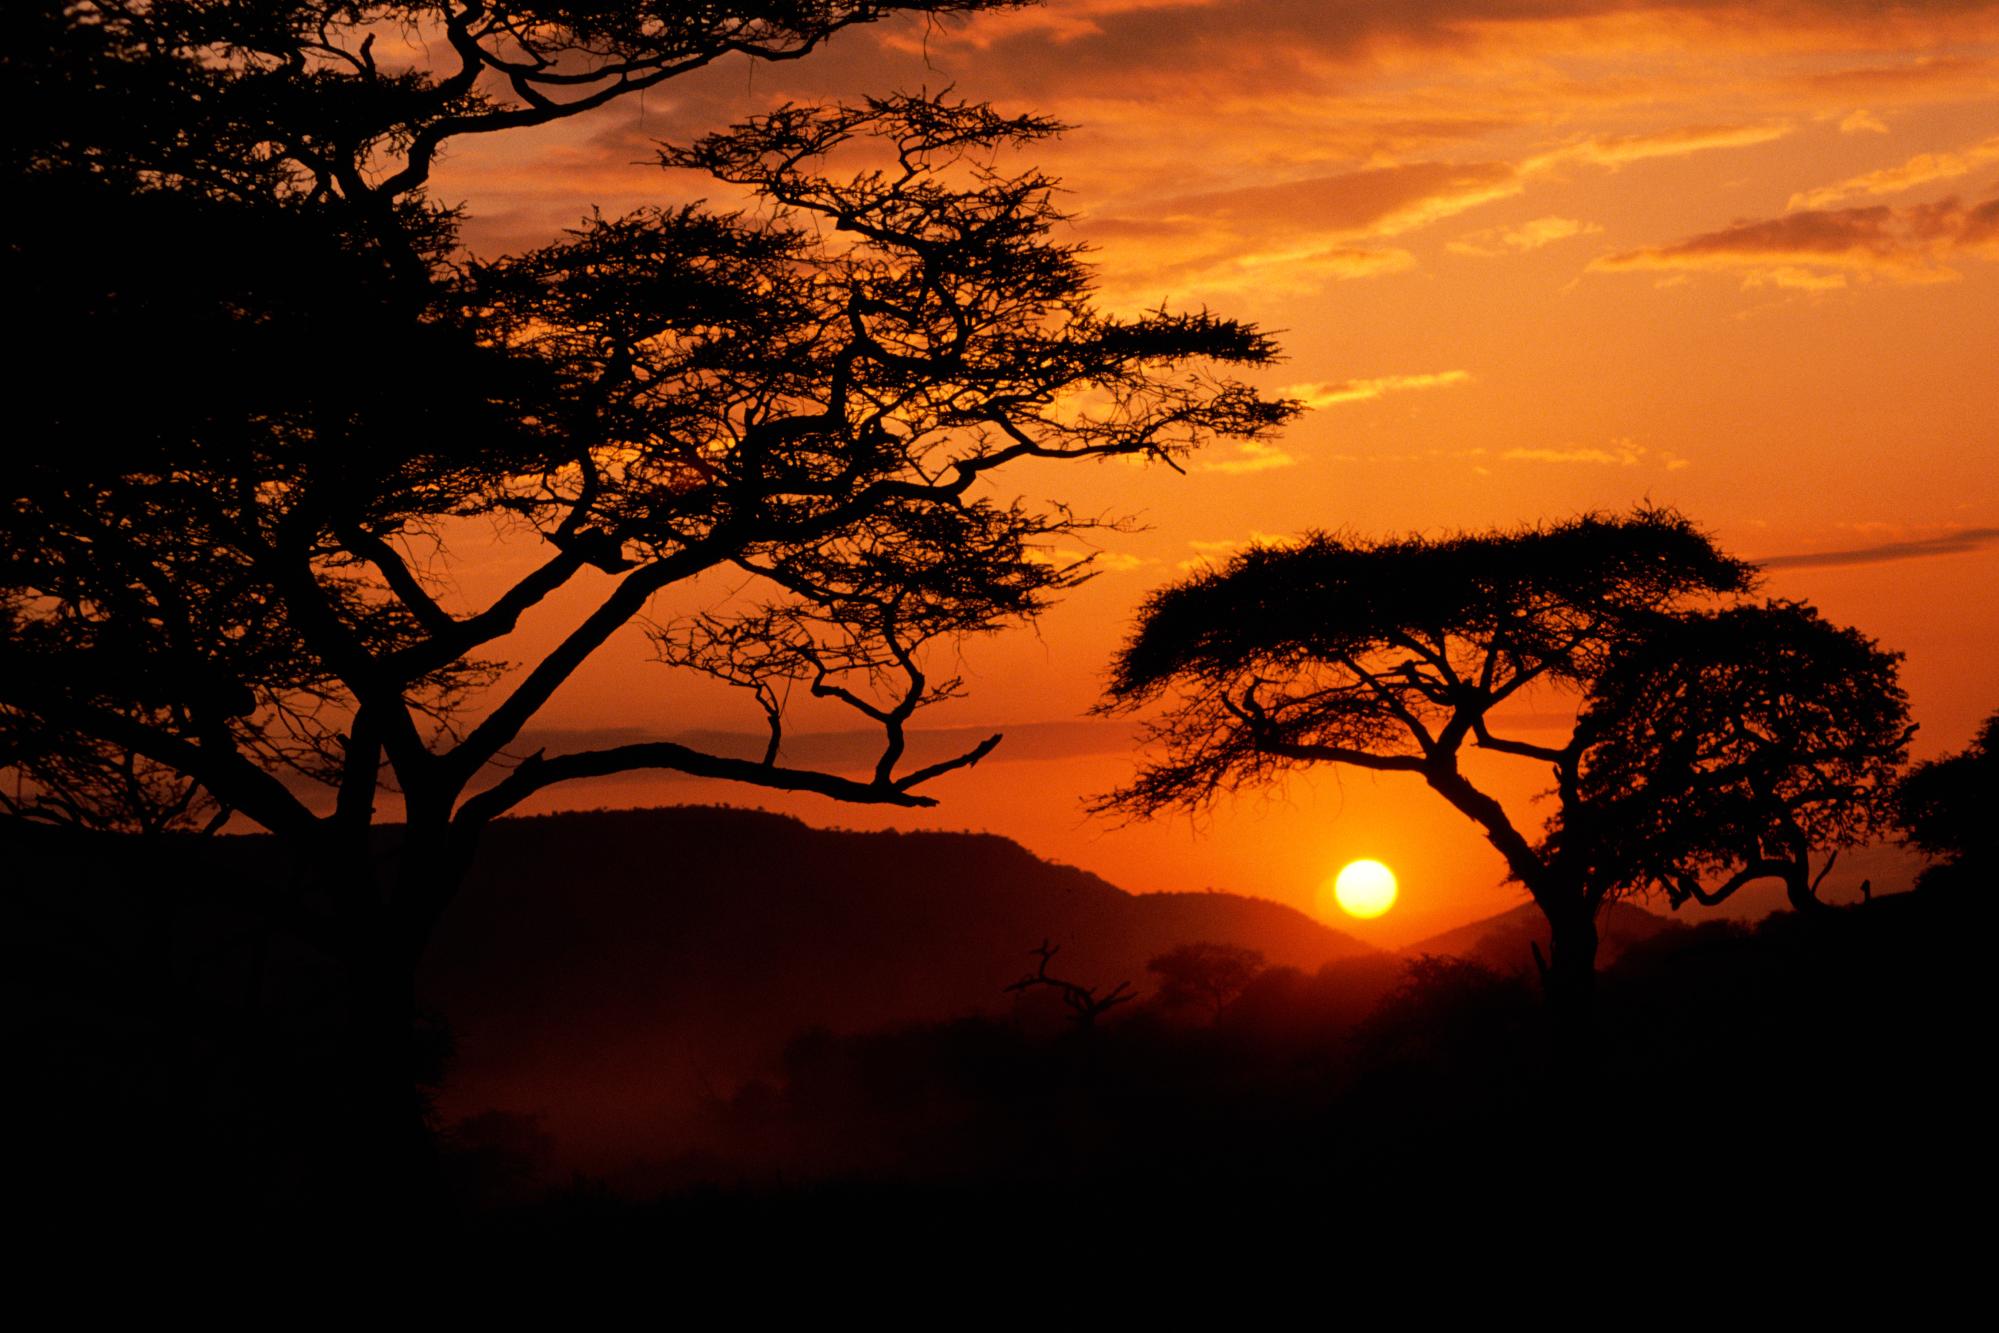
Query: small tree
column 1085, row 1006
column 234, row 556
column 1948, row 806
column 1205, row 973
column 1393, row 656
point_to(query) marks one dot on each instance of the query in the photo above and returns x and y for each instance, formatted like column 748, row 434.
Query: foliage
column 272, row 412
column 1205, row 973
column 1389, row 654
column 1947, row 805
column 1733, row 744
column 240, row 567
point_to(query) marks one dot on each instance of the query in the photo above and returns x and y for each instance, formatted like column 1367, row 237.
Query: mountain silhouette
column 611, row 971
column 1505, row 943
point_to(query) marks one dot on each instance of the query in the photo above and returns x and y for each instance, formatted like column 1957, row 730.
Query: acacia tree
column 1735, row 746
column 229, row 561
column 1394, row 656
column 1205, row 973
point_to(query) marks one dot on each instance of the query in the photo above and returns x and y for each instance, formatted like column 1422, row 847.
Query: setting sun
column 1364, row 889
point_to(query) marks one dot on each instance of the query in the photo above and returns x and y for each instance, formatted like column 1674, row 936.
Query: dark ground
column 1814, row 1081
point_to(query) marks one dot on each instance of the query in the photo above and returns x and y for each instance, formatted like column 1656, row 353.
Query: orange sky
column 1527, row 258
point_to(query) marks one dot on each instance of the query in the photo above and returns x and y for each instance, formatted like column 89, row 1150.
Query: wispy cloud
column 1103, row 562
column 1337, row 225
column 1617, row 150
column 1820, row 248
column 1209, row 554
column 1519, row 239
column 1918, row 170
column 1365, row 390
column 1921, row 548
column 1620, row 452
column 1247, row 457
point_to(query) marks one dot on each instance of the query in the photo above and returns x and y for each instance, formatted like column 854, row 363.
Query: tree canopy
column 1206, row 973
column 1945, row 806
column 1390, row 654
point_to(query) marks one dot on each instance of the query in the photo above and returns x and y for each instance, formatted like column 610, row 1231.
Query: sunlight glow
column 1365, row 889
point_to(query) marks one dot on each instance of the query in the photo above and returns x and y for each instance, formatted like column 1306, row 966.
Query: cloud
column 1918, row 170
column 1327, row 226
column 1862, row 121
column 1519, row 239
column 1209, row 554
column 1621, row 452
column 1099, row 561
column 1248, row 456
column 1365, row 390
column 1214, row 272
column 1376, row 201
column 1925, row 78
column 1819, row 248
column 1170, row 45
column 1617, row 150
column 1384, row 201
column 1952, row 543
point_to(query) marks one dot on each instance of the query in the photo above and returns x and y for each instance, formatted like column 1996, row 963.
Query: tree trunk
column 390, row 1169
column 373, row 1158
column 1568, row 976
column 1802, row 893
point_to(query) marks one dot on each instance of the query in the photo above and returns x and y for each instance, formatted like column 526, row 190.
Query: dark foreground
column 1816, row 1073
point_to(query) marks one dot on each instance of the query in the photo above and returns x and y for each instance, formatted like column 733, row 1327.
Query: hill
column 611, row 970
column 1505, row 942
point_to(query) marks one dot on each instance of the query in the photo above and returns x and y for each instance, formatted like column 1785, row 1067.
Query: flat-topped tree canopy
column 1388, row 653
column 1548, row 597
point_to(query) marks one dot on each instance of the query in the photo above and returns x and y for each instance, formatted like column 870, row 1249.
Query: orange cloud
column 1616, row 150
column 1250, row 456
column 1918, row 170
column 1620, row 453
column 1364, row 390
column 1317, row 228
column 1381, row 201
column 1530, row 235
column 1819, row 248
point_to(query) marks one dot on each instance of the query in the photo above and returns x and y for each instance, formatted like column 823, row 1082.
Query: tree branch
column 536, row 772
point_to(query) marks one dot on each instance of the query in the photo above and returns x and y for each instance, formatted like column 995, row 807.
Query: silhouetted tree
column 231, row 552
column 1950, row 809
column 60, row 777
column 1394, row 656
column 1205, row 973
column 1084, row 1004
column 1734, row 745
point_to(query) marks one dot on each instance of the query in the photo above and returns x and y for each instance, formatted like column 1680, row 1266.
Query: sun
column 1364, row 889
